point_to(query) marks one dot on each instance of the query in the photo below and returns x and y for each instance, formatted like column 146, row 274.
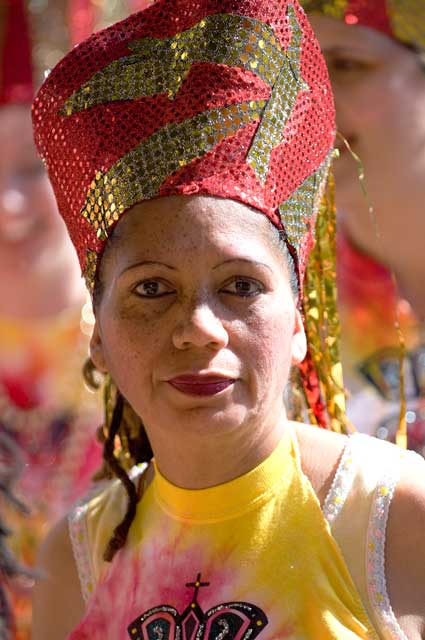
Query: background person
column 45, row 408
column 203, row 135
column 374, row 51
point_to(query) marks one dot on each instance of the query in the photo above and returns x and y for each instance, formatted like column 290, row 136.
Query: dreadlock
column 125, row 444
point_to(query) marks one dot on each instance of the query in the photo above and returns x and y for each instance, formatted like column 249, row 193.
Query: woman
column 374, row 53
column 188, row 147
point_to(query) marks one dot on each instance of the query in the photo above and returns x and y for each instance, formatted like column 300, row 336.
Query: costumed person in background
column 375, row 53
column 45, row 408
column 189, row 148
column 45, row 319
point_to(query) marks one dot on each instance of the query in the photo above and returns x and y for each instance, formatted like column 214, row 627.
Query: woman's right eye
column 153, row 289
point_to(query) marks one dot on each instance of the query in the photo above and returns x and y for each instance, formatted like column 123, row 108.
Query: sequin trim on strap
column 342, row 482
column 78, row 532
column 375, row 560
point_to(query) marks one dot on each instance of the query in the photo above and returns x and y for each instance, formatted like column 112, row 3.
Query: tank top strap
column 357, row 509
column 79, row 535
column 91, row 524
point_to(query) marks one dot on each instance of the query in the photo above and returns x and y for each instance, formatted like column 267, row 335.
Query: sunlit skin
column 215, row 297
column 379, row 89
column 218, row 305
column 40, row 273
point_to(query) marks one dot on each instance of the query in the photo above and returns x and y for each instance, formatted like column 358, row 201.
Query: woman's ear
column 96, row 350
column 299, row 340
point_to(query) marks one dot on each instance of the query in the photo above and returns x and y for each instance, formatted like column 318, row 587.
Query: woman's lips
column 201, row 385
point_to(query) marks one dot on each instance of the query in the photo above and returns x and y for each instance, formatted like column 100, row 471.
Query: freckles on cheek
column 134, row 336
column 268, row 340
column 122, row 344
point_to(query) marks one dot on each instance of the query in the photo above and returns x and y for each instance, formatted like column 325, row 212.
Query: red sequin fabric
column 400, row 19
column 229, row 98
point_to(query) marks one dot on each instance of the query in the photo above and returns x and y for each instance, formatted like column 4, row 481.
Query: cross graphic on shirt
column 197, row 585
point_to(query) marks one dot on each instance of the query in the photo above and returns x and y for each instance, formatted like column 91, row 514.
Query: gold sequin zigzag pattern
column 161, row 66
column 286, row 90
column 297, row 211
column 139, row 175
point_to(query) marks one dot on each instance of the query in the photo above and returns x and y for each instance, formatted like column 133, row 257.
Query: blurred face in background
column 32, row 234
column 379, row 88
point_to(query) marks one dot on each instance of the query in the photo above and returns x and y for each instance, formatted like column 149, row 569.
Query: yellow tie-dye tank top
column 252, row 558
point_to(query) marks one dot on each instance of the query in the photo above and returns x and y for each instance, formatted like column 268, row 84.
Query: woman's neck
column 202, row 462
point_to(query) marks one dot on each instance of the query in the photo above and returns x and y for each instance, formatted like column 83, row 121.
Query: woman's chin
column 204, row 421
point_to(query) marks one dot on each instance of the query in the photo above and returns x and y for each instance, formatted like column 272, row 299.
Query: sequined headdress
column 400, row 19
column 229, row 98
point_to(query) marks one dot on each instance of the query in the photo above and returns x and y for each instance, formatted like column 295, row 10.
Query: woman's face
column 379, row 89
column 30, row 227
column 197, row 323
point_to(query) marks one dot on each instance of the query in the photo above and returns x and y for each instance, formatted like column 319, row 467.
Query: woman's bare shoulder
column 405, row 551
column 320, row 452
column 58, row 603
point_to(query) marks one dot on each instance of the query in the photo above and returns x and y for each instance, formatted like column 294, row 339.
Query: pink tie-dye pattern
column 156, row 576
column 138, row 581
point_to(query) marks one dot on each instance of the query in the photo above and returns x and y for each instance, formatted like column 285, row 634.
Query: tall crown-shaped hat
column 400, row 19
column 222, row 97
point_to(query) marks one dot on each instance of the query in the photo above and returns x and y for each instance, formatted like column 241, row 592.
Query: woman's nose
column 200, row 327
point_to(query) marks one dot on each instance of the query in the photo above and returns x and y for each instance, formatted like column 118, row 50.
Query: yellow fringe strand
column 321, row 313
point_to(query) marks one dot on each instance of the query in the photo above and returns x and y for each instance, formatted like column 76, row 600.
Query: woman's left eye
column 244, row 287
column 153, row 289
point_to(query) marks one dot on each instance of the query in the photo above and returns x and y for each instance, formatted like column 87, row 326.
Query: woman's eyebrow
column 144, row 263
column 246, row 261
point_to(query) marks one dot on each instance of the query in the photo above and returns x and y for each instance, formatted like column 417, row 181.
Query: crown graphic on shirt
column 227, row 621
